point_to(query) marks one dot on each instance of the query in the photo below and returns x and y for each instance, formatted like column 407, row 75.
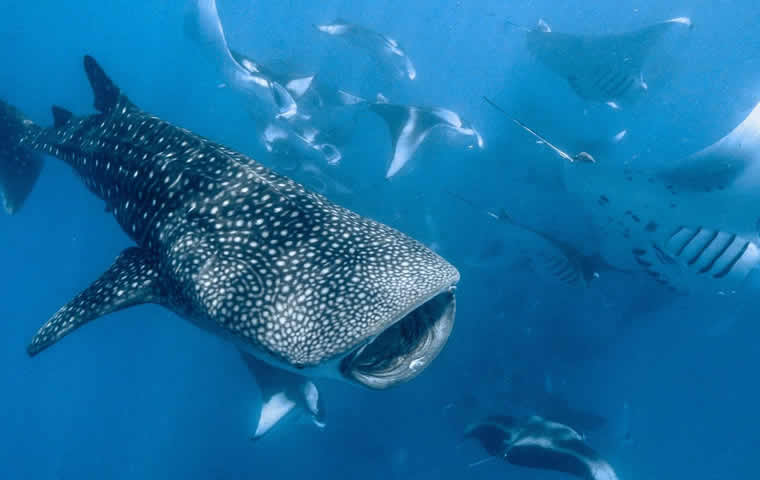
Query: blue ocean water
column 144, row 394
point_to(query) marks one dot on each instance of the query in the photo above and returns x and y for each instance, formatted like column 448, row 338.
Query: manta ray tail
column 283, row 395
column 19, row 166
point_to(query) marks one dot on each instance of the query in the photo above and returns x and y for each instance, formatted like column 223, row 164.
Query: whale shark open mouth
column 406, row 348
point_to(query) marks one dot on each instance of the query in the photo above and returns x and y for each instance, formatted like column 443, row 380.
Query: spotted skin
column 230, row 245
column 132, row 279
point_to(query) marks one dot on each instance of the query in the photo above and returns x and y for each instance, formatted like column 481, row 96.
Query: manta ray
column 603, row 68
column 534, row 442
column 276, row 92
column 692, row 225
column 409, row 126
column 383, row 48
column 549, row 255
column 293, row 103
column 290, row 279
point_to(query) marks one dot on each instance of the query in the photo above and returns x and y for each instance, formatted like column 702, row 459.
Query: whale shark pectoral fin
column 282, row 393
column 133, row 279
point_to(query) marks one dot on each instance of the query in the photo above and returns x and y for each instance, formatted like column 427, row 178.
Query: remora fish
column 537, row 443
column 692, row 225
column 244, row 253
column 604, row 68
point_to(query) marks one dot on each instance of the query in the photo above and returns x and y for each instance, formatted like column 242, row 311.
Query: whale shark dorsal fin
column 133, row 279
column 283, row 394
column 107, row 95
column 61, row 116
column 722, row 163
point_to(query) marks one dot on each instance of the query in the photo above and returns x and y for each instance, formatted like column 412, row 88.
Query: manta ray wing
column 283, row 395
column 730, row 161
column 692, row 227
column 410, row 125
column 381, row 47
column 204, row 25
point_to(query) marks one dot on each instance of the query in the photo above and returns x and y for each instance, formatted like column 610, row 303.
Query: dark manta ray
column 552, row 256
column 604, row 68
column 537, row 443
column 531, row 392
column 377, row 44
column 288, row 277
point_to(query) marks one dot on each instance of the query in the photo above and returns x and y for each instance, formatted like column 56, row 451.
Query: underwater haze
column 634, row 326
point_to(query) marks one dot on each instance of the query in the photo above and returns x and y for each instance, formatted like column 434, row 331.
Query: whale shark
column 691, row 224
column 382, row 47
column 603, row 68
column 286, row 276
column 534, row 442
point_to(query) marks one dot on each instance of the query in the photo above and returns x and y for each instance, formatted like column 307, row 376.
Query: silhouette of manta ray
column 550, row 255
column 604, row 68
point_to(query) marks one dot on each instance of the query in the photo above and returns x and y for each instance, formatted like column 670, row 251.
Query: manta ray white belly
column 691, row 226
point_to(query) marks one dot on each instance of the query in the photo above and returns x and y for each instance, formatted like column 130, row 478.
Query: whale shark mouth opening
column 406, row 348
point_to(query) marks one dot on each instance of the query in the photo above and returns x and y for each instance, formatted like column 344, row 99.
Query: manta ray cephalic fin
column 133, row 279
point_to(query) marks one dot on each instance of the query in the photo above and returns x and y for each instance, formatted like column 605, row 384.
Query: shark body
column 291, row 279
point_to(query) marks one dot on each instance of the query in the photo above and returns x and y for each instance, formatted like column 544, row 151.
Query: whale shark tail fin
column 19, row 166
column 283, row 396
